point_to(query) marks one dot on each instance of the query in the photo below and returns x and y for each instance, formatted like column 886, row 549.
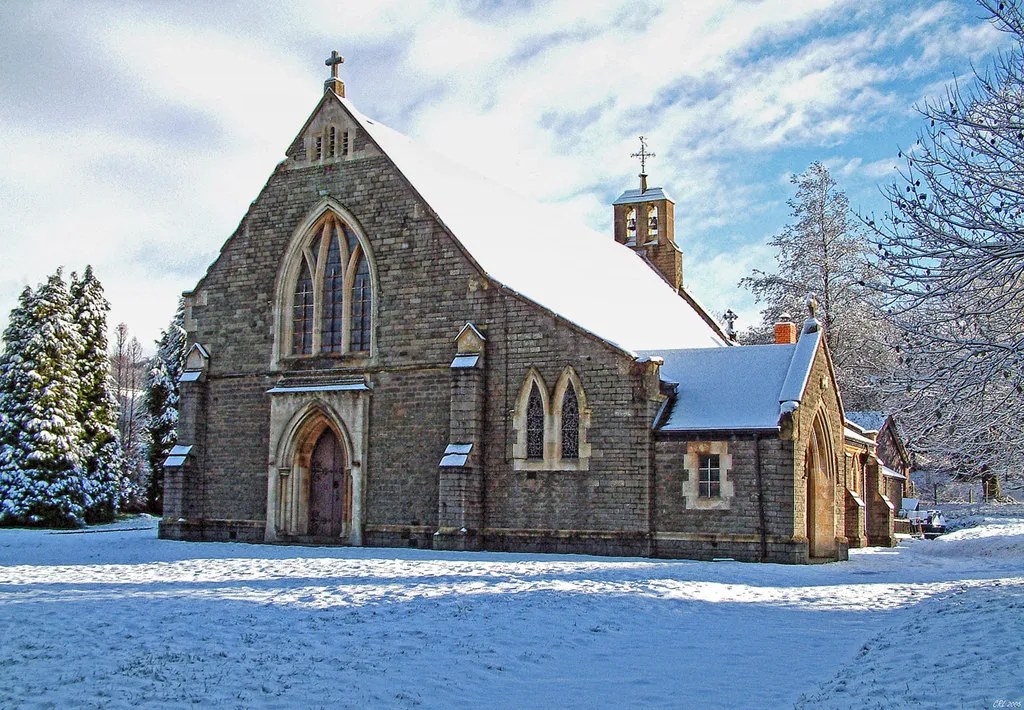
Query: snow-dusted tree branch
column 825, row 251
column 952, row 252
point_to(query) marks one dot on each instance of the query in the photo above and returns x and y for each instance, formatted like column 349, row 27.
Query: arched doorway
column 330, row 488
column 819, row 470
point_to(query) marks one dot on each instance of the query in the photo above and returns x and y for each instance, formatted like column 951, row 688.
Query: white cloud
column 548, row 99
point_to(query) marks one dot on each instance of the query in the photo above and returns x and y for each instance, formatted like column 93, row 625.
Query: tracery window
column 332, row 303
column 570, row 424
column 535, row 425
column 551, row 426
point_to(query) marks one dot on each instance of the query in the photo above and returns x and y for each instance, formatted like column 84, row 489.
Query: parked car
column 931, row 523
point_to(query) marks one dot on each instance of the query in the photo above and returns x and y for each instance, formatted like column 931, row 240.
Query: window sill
column 551, row 465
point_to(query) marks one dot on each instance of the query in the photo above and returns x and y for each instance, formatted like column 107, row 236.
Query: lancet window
column 570, row 424
column 332, row 302
column 551, row 427
column 535, row 425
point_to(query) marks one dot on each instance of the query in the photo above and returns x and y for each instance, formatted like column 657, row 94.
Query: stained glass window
column 535, row 425
column 570, row 424
column 350, row 239
column 302, row 313
column 710, row 476
column 334, row 258
column 361, row 307
column 332, row 328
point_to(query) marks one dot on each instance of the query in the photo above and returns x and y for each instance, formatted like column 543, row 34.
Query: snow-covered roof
column 853, row 435
column 867, row 420
column 576, row 272
column 630, row 197
column 731, row 388
column 800, row 366
column 890, row 473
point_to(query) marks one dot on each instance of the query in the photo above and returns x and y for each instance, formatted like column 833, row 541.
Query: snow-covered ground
column 113, row 617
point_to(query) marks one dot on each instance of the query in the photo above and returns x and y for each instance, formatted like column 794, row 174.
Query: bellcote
column 645, row 222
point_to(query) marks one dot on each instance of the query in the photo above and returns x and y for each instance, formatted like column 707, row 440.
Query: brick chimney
column 785, row 330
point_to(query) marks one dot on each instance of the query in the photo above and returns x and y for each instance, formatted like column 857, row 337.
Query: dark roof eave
column 730, row 431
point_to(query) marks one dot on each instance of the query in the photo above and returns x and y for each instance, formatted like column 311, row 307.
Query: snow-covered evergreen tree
column 826, row 252
column 162, row 401
column 97, row 407
column 42, row 480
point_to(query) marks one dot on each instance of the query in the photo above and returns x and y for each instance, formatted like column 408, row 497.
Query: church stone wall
column 821, row 394
column 426, row 289
column 734, row 531
column 603, row 509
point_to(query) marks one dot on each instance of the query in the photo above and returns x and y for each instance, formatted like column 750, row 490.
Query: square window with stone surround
column 706, row 476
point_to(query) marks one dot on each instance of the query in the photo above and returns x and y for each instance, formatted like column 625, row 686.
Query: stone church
column 392, row 351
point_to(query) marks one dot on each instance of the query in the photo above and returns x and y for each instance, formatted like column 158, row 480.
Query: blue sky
column 136, row 135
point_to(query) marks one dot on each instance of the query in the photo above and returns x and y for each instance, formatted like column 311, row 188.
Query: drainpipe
column 760, row 498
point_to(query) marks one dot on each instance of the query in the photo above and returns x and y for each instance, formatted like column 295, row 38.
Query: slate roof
column 576, row 272
column 747, row 387
column 635, row 196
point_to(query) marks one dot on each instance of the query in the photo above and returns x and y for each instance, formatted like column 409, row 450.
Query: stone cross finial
column 333, row 61
column 812, row 305
column 730, row 319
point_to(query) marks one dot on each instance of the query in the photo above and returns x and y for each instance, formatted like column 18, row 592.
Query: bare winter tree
column 952, row 251
column 129, row 368
column 825, row 251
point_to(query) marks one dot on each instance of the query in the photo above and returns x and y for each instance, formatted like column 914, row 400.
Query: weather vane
column 643, row 155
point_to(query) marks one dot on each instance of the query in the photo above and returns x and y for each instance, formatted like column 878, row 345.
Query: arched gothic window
column 551, row 426
column 570, row 424
column 535, row 425
column 302, row 315
column 332, row 303
column 361, row 306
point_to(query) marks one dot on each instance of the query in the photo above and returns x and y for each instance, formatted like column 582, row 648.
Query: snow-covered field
column 113, row 617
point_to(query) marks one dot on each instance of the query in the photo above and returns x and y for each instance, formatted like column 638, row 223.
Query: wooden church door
column 330, row 495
